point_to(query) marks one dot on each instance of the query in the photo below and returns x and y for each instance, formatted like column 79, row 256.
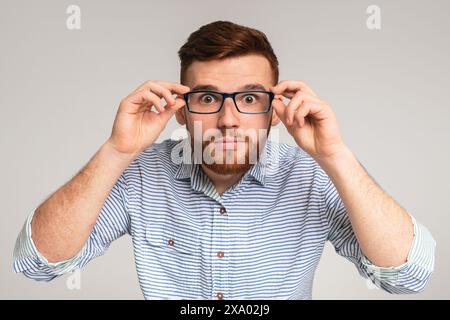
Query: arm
column 112, row 222
column 363, row 219
column 62, row 224
column 77, row 215
column 410, row 277
column 383, row 228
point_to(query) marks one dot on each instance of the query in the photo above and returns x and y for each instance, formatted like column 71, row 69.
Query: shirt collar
column 189, row 170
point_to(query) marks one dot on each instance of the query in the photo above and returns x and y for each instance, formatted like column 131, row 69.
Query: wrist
column 116, row 157
column 342, row 159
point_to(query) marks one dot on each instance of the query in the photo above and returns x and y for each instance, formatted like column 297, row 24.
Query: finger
column 141, row 99
column 299, row 118
column 293, row 105
column 162, row 92
column 280, row 109
column 307, row 88
column 145, row 86
column 170, row 110
column 313, row 110
column 172, row 86
column 307, row 96
column 290, row 87
column 154, row 98
column 175, row 87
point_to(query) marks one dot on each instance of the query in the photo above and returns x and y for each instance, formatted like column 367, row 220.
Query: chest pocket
column 177, row 238
column 175, row 253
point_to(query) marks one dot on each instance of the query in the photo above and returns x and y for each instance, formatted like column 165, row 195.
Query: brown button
column 219, row 295
column 170, row 242
column 223, row 210
column 220, row 254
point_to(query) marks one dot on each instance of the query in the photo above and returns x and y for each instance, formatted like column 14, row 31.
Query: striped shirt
column 262, row 239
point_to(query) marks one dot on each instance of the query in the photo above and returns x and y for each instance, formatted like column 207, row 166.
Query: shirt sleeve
column 410, row 277
column 112, row 222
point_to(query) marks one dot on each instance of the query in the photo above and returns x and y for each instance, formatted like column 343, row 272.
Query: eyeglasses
column 248, row 102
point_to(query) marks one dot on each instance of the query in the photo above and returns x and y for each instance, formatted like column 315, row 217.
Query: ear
column 180, row 115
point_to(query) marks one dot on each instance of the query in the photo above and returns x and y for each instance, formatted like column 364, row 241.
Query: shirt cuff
column 27, row 256
column 421, row 254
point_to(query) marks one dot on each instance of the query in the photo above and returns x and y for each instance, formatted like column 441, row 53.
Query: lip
column 228, row 140
column 229, row 143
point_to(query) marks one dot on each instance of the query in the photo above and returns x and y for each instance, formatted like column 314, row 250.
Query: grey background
column 60, row 90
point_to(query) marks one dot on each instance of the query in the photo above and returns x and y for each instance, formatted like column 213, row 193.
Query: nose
column 228, row 115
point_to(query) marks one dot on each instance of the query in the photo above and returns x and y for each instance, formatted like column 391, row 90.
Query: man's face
column 250, row 130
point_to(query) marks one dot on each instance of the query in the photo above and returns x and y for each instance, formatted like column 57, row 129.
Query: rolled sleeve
column 32, row 263
column 112, row 223
column 410, row 277
column 413, row 275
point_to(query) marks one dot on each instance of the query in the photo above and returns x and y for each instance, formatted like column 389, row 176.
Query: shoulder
column 289, row 155
column 294, row 165
column 156, row 158
column 159, row 150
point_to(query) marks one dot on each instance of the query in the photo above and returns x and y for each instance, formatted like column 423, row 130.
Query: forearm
column 383, row 228
column 62, row 223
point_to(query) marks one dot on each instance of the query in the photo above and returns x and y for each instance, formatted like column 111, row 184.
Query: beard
column 228, row 161
column 242, row 157
column 232, row 160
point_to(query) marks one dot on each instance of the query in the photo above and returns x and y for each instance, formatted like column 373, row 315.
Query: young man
column 226, row 213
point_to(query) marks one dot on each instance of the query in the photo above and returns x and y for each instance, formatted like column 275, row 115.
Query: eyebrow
column 250, row 86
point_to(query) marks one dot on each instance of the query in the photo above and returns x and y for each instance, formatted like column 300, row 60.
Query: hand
column 136, row 126
column 309, row 120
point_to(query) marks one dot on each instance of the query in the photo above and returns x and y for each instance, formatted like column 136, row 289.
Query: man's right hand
column 136, row 126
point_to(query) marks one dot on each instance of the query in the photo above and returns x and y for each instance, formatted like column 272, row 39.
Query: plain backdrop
column 60, row 89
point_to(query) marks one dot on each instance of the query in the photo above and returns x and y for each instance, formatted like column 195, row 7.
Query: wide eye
column 249, row 98
column 207, row 98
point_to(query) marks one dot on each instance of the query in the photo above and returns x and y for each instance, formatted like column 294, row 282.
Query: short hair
column 224, row 39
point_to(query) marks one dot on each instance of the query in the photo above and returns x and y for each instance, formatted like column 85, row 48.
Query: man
column 226, row 213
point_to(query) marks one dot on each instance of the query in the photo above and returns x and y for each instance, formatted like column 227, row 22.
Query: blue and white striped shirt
column 262, row 239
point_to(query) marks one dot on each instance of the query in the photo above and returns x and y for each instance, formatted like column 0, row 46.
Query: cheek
column 256, row 123
column 250, row 125
column 203, row 121
column 202, row 128
column 256, row 120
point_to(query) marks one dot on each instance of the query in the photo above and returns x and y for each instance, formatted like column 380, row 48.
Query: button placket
column 219, row 246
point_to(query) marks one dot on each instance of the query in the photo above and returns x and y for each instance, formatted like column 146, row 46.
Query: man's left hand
column 310, row 120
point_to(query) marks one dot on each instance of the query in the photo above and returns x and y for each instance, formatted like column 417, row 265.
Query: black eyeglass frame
column 231, row 95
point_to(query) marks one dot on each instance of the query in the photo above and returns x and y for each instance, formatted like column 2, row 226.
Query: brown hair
column 223, row 39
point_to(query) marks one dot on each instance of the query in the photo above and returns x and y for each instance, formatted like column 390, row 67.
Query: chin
column 230, row 162
column 228, row 168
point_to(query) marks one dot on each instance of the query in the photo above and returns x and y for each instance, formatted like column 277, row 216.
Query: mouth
column 229, row 143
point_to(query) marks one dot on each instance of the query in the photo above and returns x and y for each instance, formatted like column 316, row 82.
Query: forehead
column 230, row 73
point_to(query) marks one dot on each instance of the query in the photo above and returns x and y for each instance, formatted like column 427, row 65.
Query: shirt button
column 220, row 295
column 220, row 254
column 223, row 210
column 170, row 242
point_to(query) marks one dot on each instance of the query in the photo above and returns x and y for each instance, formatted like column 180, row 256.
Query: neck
column 222, row 182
